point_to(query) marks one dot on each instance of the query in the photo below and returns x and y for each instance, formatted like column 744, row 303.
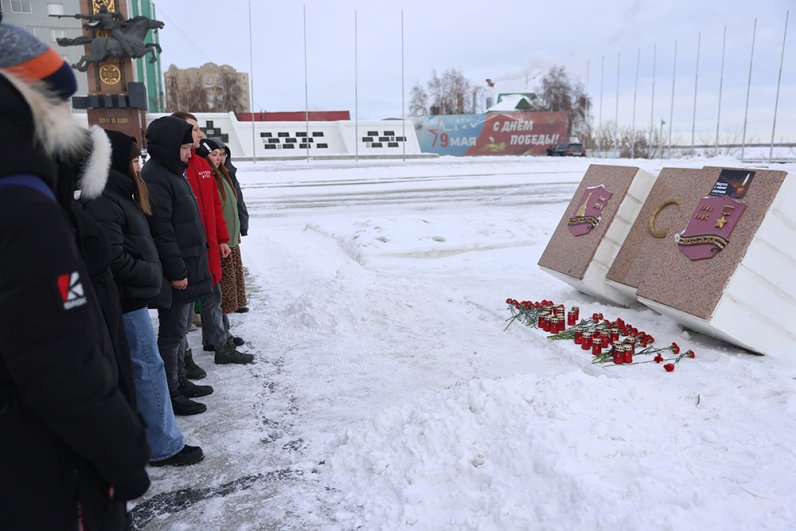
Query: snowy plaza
column 387, row 395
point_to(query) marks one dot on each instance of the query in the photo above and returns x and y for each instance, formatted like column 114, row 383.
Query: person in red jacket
column 215, row 335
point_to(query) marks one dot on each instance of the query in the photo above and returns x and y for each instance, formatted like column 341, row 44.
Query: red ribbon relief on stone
column 590, row 209
column 710, row 227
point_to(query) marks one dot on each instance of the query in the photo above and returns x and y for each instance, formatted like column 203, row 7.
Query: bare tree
column 418, row 101
column 449, row 93
column 559, row 93
column 230, row 92
column 196, row 99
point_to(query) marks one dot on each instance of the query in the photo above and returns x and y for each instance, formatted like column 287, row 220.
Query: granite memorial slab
column 594, row 226
column 729, row 270
column 666, row 210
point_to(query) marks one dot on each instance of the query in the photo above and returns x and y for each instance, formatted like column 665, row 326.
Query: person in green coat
column 233, row 289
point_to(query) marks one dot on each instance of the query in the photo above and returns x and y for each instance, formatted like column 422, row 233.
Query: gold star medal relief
column 716, row 216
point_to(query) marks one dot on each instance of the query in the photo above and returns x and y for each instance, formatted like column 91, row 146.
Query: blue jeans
column 149, row 378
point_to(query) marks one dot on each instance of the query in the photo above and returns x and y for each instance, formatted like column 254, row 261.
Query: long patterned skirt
column 233, row 290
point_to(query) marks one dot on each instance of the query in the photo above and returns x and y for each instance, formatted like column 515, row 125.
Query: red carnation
column 690, row 354
column 675, row 349
column 658, row 359
column 669, row 367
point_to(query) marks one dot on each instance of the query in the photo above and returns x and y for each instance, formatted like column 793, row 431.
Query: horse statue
column 126, row 41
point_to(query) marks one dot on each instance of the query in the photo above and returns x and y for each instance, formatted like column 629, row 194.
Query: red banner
column 520, row 133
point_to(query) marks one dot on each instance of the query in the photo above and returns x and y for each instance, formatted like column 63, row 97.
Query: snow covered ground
column 387, row 395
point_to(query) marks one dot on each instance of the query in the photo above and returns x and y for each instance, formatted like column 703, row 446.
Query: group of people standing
column 90, row 242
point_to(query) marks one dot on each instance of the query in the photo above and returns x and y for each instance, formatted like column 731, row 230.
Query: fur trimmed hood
column 38, row 135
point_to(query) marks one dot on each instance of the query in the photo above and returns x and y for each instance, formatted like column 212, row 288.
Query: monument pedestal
column 129, row 121
column 114, row 101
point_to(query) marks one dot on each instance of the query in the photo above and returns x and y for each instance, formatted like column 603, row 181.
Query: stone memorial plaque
column 729, row 271
column 593, row 227
column 666, row 210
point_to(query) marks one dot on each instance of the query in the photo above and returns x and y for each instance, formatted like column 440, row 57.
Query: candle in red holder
column 586, row 340
column 596, row 346
column 605, row 334
column 578, row 336
column 628, row 354
column 571, row 320
column 544, row 321
column 576, row 311
column 619, row 357
column 614, row 334
column 630, row 347
column 554, row 325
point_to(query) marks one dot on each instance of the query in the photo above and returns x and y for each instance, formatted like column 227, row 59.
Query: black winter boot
column 192, row 370
column 189, row 455
column 235, row 341
column 227, row 353
column 191, row 390
column 182, row 405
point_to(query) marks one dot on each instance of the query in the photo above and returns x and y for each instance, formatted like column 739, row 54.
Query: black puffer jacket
column 134, row 257
column 67, row 433
column 175, row 223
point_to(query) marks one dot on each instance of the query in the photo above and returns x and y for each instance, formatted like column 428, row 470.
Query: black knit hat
column 206, row 145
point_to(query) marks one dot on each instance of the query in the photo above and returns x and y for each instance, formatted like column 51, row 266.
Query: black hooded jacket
column 68, row 434
column 175, row 223
column 134, row 257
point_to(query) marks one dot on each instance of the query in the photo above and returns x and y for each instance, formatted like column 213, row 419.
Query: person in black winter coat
column 72, row 449
column 180, row 239
column 137, row 272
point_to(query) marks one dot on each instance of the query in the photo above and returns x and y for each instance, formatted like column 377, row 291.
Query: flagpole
column 356, row 91
column 403, row 91
column 748, row 89
column 721, row 86
column 251, row 82
column 696, row 84
column 671, row 109
column 779, row 80
column 306, row 92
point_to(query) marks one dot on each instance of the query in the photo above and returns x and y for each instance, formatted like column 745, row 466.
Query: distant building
column 209, row 88
column 34, row 15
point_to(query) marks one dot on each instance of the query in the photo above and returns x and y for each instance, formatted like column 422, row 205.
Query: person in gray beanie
column 73, row 449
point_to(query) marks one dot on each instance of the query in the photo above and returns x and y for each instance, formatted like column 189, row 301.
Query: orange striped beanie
column 31, row 60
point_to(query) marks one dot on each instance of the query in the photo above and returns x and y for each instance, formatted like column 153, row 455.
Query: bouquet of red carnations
column 610, row 342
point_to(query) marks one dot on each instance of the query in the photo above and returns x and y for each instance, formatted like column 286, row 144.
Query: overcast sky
column 511, row 42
